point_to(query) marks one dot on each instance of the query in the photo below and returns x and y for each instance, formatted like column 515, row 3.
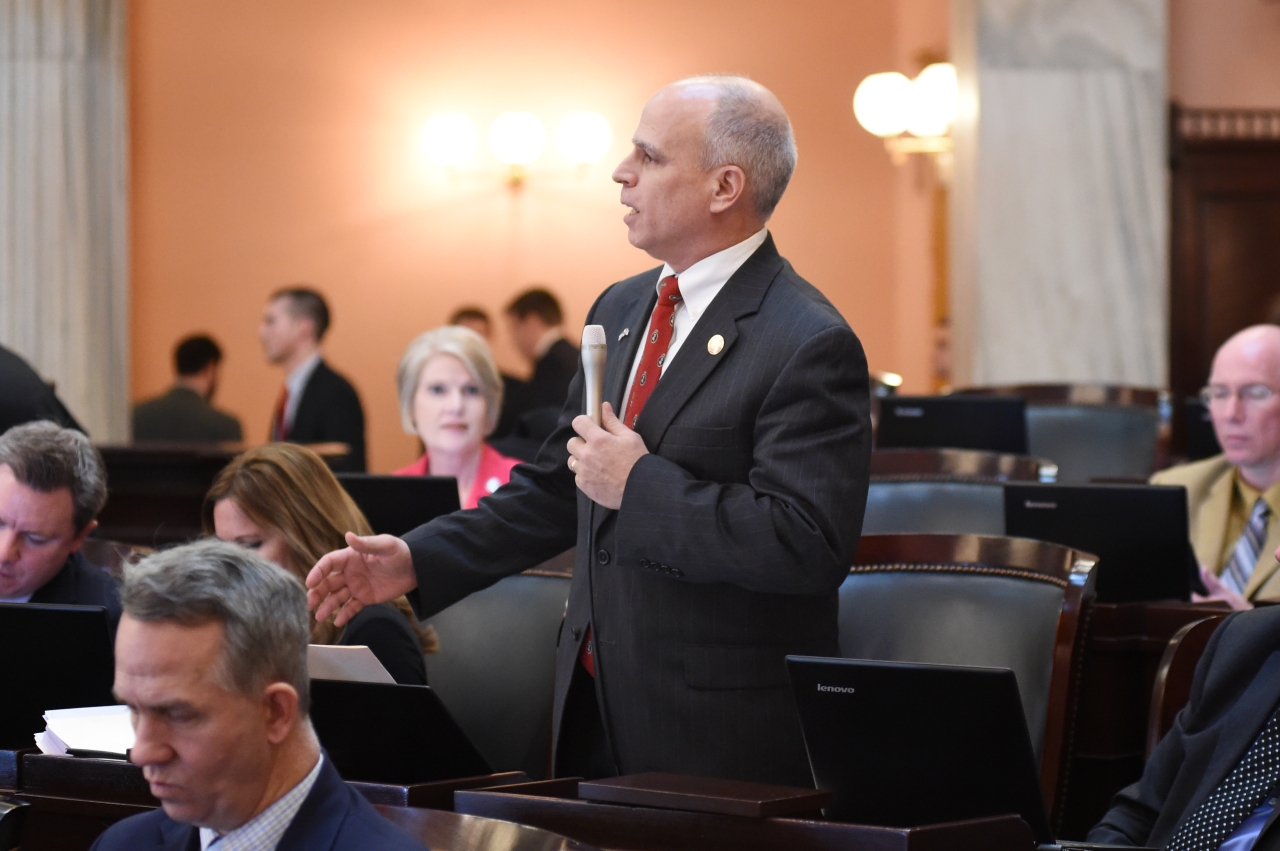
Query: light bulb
column 450, row 139
column 517, row 138
column 935, row 96
column 882, row 103
column 584, row 137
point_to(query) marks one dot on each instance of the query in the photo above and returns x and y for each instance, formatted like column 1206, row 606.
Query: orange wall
column 277, row 142
column 1225, row 53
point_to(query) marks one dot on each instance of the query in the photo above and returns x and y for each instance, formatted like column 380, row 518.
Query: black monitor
column 53, row 657
column 1202, row 440
column 1138, row 532
column 379, row 733
column 990, row 423
column 907, row 745
column 395, row 505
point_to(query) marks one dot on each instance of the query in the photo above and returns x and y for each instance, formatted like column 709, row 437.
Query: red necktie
column 662, row 327
column 280, row 431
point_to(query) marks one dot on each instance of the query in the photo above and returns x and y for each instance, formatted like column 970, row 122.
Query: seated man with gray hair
column 53, row 483
column 211, row 658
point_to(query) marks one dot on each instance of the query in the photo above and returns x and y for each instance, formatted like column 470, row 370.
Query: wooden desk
column 554, row 805
column 1122, row 652
column 154, row 491
column 73, row 800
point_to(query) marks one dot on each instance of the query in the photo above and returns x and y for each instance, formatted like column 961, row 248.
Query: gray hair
column 744, row 130
column 465, row 345
column 262, row 607
column 46, row 457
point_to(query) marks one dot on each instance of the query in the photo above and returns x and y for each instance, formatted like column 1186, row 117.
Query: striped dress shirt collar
column 264, row 831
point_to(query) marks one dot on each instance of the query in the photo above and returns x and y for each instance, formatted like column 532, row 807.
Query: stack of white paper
column 355, row 664
column 91, row 728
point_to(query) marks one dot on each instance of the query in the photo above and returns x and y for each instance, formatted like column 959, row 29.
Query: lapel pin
column 625, row 332
column 715, row 344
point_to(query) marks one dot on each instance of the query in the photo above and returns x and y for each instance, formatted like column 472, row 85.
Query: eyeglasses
column 1249, row 394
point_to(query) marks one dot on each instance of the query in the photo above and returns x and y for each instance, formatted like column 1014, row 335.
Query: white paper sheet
column 89, row 728
column 355, row 664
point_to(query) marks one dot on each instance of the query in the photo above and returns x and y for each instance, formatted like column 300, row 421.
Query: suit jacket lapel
column 1211, row 520
column 315, row 827
column 178, row 836
column 622, row 353
column 740, row 296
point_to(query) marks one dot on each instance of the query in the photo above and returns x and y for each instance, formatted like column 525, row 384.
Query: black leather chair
column 495, row 670
column 978, row 600
column 1091, row 430
column 952, row 491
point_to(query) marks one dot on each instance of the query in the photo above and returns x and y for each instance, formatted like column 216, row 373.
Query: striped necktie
column 1236, row 797
column 1245, row 556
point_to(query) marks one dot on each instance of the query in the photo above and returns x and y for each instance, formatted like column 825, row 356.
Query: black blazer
column 388, row 636
column 733, row 536
column 25, row 397
column 552, row 375
column 330, row 411
column 182, row 415
column 334, row 817
column 80, row 583
column 1235, row 690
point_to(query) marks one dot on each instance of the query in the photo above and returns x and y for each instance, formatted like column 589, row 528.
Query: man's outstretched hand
column 370, row 570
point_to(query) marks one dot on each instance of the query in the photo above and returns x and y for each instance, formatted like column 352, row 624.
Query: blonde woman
column 450, row 397
column 282, row 501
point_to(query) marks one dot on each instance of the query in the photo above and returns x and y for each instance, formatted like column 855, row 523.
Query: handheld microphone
column 593, row 359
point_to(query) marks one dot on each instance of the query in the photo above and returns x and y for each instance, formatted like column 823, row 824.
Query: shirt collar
column 1248, row 494
column 701, row 281
column 298, row 379
column 264, row 831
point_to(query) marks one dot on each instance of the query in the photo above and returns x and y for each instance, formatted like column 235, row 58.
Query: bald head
column 745, row 125
column 1244, row 402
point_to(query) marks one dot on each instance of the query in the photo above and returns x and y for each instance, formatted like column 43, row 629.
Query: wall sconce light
column 912, row 116
column 517, row 139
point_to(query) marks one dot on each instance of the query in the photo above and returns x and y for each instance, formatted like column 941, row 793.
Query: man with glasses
column 1234, row 497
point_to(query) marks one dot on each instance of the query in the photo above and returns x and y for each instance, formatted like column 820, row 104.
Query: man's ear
column 729, row 187
column 78, row 541
column 280, row 706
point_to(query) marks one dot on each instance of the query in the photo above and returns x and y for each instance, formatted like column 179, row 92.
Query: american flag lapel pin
column 625, row 332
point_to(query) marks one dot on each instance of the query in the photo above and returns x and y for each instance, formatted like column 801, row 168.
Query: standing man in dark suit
column 186, row 413
column 53, row 483
column 316, row 405
column 212, row 661
column 26, row 397
column 715, row 522
column 1212, row 781
column 536, row 324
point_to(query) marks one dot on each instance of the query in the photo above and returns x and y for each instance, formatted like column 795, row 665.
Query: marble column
column 1059, row 203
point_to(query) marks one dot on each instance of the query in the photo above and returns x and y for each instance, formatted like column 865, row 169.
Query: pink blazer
column 494, row 472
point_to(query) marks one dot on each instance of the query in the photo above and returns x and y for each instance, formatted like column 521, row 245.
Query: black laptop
column 394, row 505
column 382, row 733
column 990, row 423
column 54, row 657
column 1138, row 532
column 906, row 745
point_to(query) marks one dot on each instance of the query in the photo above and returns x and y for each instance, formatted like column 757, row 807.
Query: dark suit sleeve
column 794, row 527
column 1135, row 809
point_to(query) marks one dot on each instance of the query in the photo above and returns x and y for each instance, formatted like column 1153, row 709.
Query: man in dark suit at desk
column 186, row 413
column 316, row 405
column 1212, row 781
column 53, row 483
column 715, row 522
column 211, row 659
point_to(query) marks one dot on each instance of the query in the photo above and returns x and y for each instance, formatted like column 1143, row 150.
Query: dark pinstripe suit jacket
column 733, row 536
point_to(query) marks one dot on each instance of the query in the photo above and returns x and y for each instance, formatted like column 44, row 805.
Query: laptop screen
column 394, row 505
column 906, row 745
column 1138, row 532
column 990, row 423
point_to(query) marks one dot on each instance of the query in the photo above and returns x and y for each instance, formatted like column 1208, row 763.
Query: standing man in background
column 186, row 413
column 536, row 324
column 316, row 404
column 715, row 521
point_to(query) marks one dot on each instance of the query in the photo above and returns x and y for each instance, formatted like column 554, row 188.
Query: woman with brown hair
column 281, row 500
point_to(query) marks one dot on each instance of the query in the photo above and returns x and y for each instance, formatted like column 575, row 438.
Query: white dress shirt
column 264, row 831
column 699, row 285
column 295, row 384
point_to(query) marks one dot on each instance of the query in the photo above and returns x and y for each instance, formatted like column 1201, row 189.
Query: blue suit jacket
column 334, row 817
